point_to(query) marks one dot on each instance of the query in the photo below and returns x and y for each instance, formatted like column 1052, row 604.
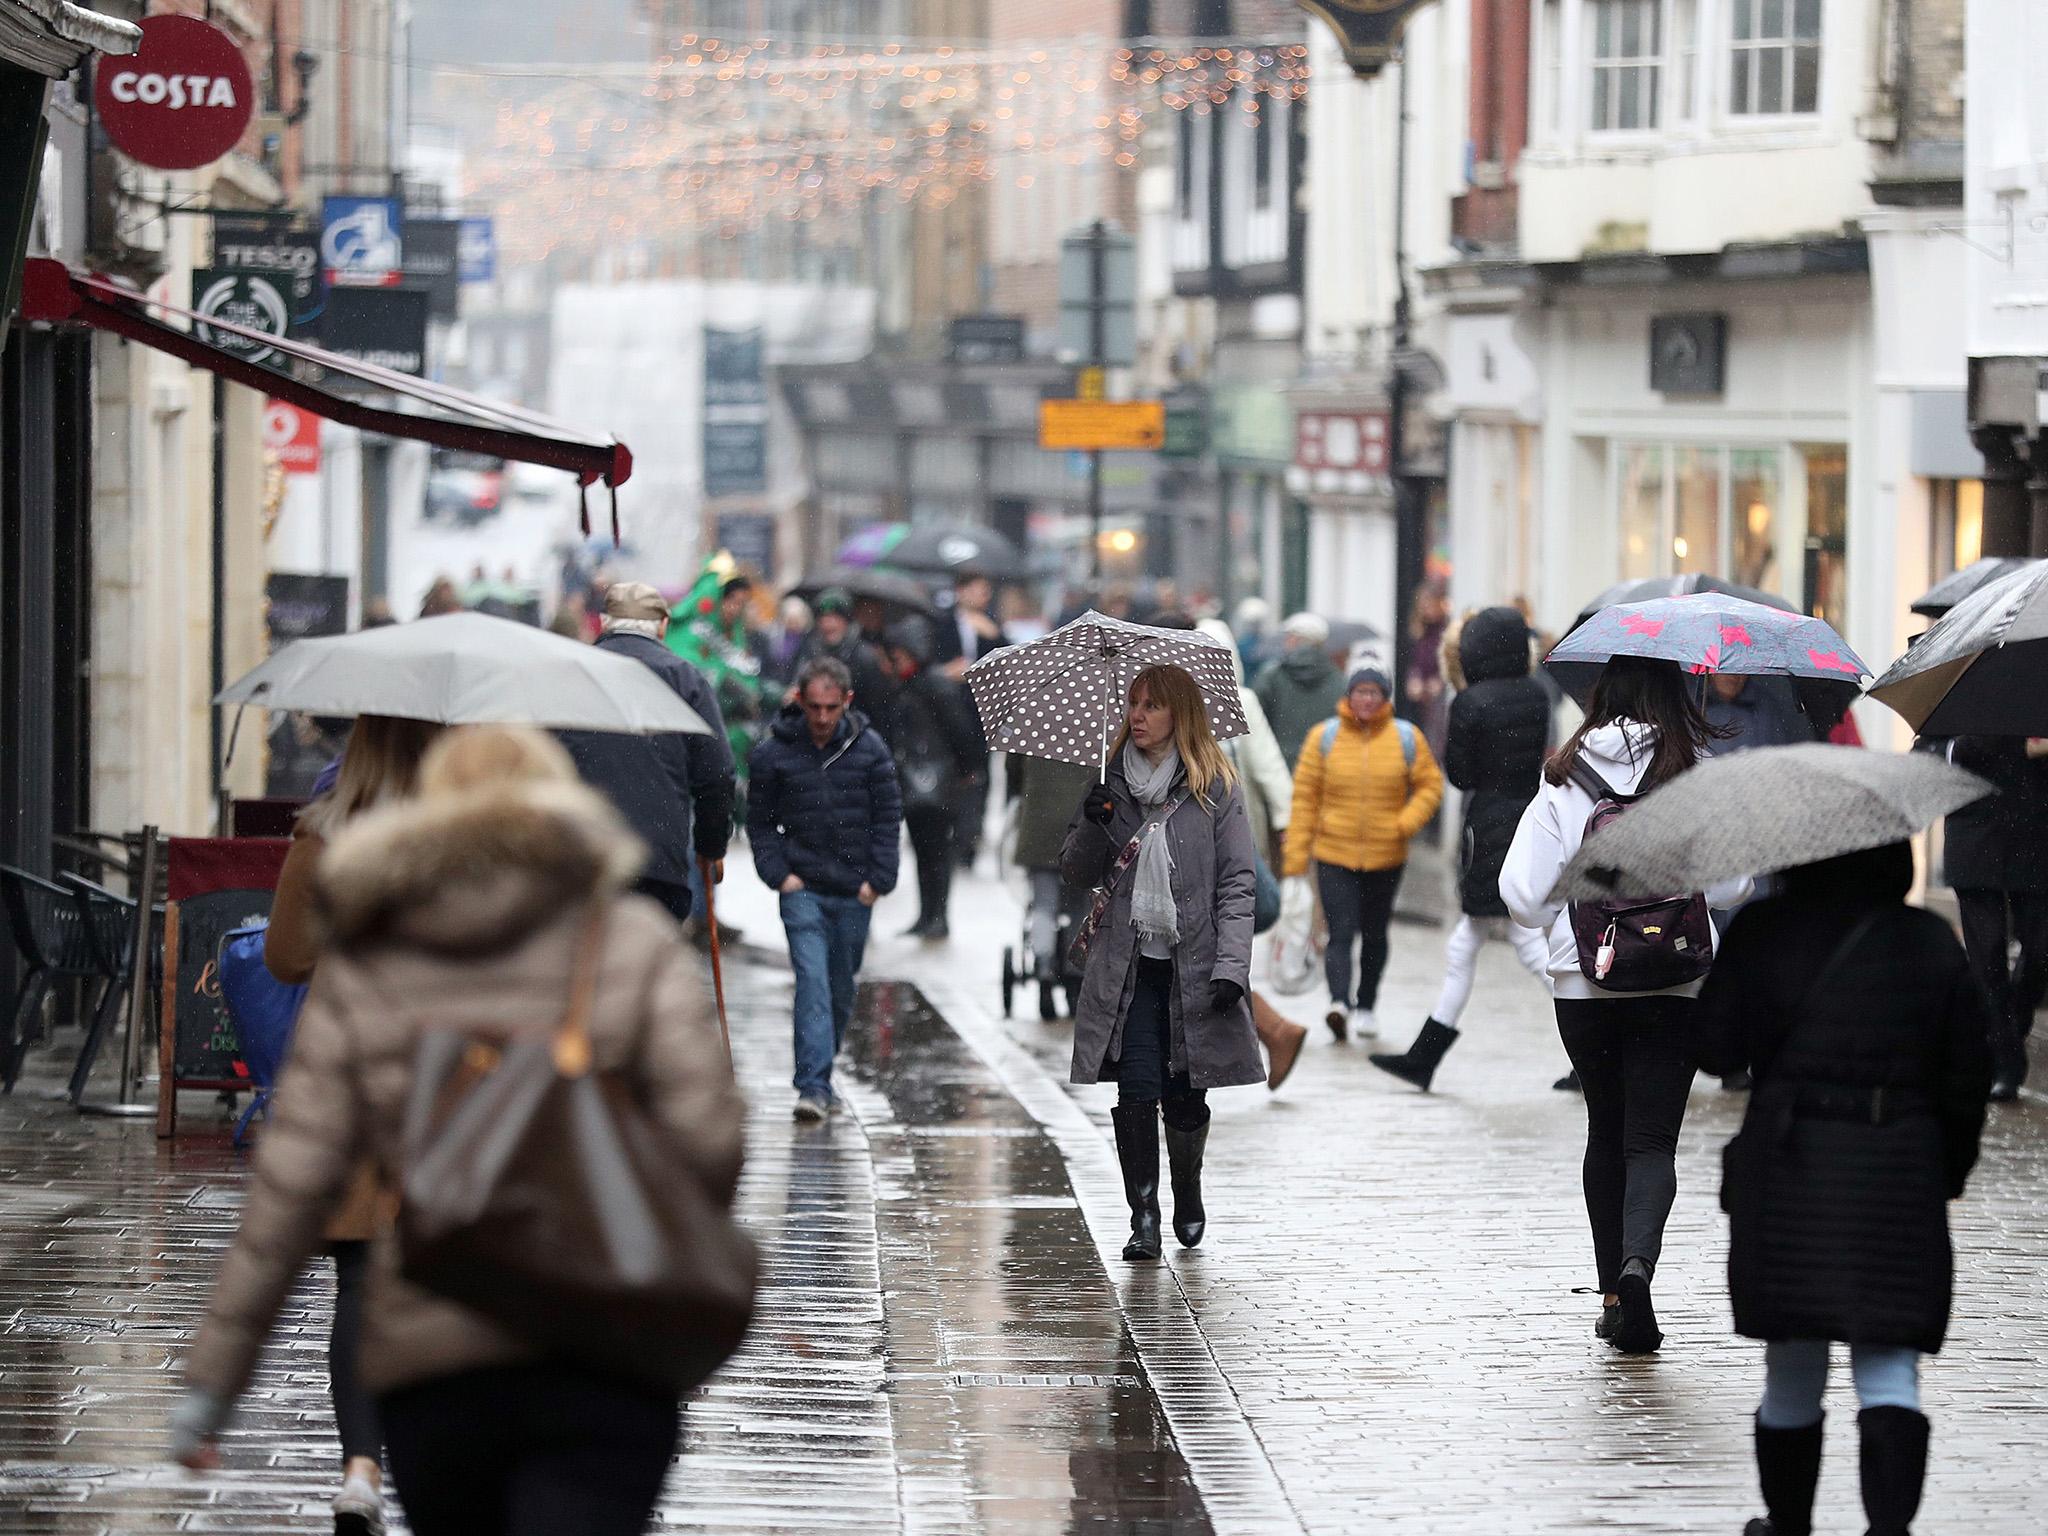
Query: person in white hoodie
column 1633, row 1051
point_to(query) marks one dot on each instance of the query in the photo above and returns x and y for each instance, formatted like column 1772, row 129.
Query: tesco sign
column 182, row 100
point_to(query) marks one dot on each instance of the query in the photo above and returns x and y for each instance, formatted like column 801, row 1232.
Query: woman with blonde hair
column 1162, row 1011
column 493, row 904
column 379, row 766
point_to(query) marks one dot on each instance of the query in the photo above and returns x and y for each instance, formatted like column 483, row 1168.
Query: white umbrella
column 467, row 669
column 1061, row 696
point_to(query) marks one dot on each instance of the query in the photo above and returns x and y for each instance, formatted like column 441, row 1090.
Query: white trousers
column 1461, row 959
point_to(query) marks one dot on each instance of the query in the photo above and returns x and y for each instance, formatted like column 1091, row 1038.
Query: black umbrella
column 955, row 549
column 886, row 587
column 1957, row 585
column 1980, row 670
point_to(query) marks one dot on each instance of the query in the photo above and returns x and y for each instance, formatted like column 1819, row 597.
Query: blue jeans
column 827, row 936
column 1796, row 1375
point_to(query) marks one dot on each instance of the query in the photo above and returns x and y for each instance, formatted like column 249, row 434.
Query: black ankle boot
column 1787, row 1467
column 1893, row 1461
column 1137, row 1151
column 1638, row 1333
column 1419, row 1062
column 1184, row 1158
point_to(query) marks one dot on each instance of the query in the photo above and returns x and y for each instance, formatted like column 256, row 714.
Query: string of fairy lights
column 718, row 137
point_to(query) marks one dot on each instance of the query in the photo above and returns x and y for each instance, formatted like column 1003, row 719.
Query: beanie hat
column 1371, row 675
column 1308, row 626
column 833, row 600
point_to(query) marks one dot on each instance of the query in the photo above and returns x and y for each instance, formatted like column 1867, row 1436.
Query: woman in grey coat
column 1162, row 1009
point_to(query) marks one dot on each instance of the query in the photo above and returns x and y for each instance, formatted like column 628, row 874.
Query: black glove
column 1099, row 807
column 1224, row 995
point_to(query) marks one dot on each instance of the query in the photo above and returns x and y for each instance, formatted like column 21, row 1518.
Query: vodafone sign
column 182, row 101
column 293, row 435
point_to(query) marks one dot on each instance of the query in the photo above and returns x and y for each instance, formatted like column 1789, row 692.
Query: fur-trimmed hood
column 473, row 873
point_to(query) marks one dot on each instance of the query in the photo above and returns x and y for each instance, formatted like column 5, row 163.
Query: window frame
column 1729, row 49
column 1656, row 65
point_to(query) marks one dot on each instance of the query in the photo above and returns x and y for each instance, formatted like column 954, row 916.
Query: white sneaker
column 1362, row 1024
column 359, row 1509
column 811, row 1111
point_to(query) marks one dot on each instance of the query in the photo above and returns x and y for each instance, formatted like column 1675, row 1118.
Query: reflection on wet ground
column 938, row 1346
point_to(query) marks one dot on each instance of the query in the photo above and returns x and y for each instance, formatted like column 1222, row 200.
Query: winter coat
column 667, row 784
column 832, row 816
column 2000, row 843
column 461, row 912
column 1262, row 767
column 1214, row 887
column 1549, row 834
column 1765, row 714
column 933, row 737
column 1357, row 805
column 1046, row 798
column 1499, row 732
column 1838, row 1221
column 1298, row 691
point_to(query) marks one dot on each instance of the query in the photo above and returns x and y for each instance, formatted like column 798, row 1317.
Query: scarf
column 1153, row 912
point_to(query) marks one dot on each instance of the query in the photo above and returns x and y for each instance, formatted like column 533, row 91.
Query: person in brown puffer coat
column 462, row 909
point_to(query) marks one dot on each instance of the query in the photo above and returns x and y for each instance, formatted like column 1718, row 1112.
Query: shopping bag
column 1297, row 955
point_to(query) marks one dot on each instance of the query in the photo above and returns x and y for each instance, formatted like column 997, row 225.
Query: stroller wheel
column 1048, row 1001
column 1009, row 979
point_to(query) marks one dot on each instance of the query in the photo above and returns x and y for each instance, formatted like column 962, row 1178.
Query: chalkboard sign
column 207, row 1053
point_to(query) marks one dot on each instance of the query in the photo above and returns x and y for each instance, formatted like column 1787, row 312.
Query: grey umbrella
column 467, row 669
column 1980, row 671
column 1754, row 813
column 1062, row 696
column 1957, row 585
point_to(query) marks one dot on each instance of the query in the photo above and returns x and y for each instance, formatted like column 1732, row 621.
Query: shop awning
column 54, row 294
column 51, row 36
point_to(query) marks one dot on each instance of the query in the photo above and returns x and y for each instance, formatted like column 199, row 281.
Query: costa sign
column 182, row 100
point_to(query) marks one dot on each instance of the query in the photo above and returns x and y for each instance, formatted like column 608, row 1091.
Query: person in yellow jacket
column 1364, row 784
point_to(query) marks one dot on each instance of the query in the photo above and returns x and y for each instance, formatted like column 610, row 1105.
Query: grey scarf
column 1153, row 912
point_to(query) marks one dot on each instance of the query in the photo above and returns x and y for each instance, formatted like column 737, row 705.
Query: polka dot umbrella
column 1063, row 696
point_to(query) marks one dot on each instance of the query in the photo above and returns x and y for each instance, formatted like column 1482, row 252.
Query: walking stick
column 717, row 967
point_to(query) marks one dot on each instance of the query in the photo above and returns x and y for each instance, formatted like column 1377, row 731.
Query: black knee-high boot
column 1137, row 1151
column 1787, row 1468
column 1184, row 1159
column 1893, row 1461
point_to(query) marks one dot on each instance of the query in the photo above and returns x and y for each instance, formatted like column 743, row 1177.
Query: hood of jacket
column 1494, row 643
column 1307, row 666
column 474, row 873
column 1620, row 752
column 791, row 726
column 1216, row 629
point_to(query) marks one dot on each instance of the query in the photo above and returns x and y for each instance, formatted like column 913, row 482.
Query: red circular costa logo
column 183, row 101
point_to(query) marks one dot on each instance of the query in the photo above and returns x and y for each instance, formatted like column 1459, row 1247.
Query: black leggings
column 1634, row 1060
column 931, row 830
column 1141, row 1071
column 1357, row 904
column 355, row 1411
column 532, row 1450
column 1991, row 919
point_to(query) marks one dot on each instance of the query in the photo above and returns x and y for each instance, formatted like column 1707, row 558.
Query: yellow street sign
column 1091, row 384
column 1101, row 425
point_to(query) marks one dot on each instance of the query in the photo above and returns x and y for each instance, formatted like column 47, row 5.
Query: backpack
column 1405, row 729
column 1637, row 946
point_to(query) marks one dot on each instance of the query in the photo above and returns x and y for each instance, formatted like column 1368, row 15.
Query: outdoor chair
column 49, row 929
column 109, row 924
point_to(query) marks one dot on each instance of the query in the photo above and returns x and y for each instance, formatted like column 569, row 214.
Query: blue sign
column 476, row 250
column 361, row 244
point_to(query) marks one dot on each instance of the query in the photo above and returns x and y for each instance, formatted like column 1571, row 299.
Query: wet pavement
column 1378, row 1333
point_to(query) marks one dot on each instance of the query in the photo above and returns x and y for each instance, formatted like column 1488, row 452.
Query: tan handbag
column 544, row 1196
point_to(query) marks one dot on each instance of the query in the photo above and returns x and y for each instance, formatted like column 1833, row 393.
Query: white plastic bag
column 1297, row 945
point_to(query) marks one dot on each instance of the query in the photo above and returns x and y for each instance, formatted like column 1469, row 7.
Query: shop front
column 1258, row 520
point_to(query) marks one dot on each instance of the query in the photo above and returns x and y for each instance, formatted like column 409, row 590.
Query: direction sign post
column 1102, row 426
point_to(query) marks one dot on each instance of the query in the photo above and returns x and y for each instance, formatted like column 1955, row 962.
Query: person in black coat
column 824, row 818
column 1996, row 855
column 1864, row 1029
column 1499, row 732
column 669, row 785
column 939, row 754
column 834, row 633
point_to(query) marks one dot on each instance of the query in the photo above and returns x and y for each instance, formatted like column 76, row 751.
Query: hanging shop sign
column 1688, row 354
column 477, row 250
column 182, row 100
column 1341, row 453
column 255, row 300
column 735, row 413
column 433, row 262
column 386, row 327
column 360, row 242
column 1369, row 31
column 293, row 434
column 270, row 243
column 749, row 537
column 1101, row 425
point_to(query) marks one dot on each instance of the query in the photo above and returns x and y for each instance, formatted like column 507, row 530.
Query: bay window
column 1773, row 57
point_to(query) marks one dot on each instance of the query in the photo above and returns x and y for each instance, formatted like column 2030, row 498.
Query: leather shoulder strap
column 572, row 1039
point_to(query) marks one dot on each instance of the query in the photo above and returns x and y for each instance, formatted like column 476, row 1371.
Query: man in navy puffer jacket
column 824, row 818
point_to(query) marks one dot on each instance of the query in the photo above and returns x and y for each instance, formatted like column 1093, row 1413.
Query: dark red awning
column 55, row 294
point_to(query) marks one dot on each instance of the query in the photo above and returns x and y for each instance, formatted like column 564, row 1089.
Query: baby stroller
column 1044, row 797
